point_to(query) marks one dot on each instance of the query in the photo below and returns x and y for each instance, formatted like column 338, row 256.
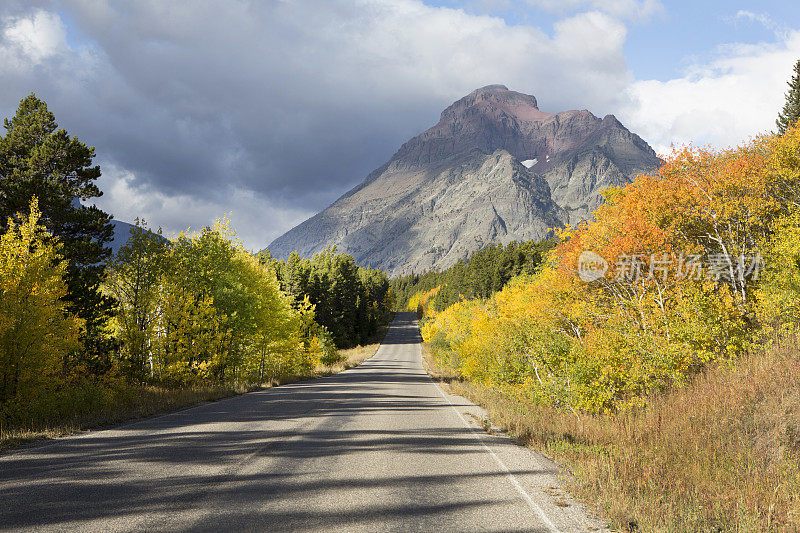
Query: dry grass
column 718, row 455
column 349, row 358
column 353, row 357
column 90, row 406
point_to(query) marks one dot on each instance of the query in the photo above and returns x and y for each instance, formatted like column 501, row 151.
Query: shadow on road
column 180, row 462
column 404, row 330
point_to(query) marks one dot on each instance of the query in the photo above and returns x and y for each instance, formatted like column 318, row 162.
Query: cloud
column 257, row 219
column 723, row 102
column 29, row 41
column 285, row 103
column 636, row 10
column 270, row 111
column 779, row 29
column 593, row 40
column 38, row 37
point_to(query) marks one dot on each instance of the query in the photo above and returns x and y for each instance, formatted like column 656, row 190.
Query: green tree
column 134, row 277
column 791, row 109
column 483, row 274
column 222, row 314
column 36, row 331
column 38, row 159
column 350, row 302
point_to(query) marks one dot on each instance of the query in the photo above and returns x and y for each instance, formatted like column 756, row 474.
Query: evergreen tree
column 791, row 109
column 483, row 274
column 350, row 302
column 38, row 159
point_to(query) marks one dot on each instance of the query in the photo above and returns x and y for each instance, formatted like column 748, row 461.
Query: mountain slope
column 462, row 184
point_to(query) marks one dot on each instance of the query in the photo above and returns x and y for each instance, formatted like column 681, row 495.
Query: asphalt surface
column 380, row 447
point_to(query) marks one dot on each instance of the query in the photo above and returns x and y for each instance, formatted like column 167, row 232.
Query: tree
column 222, row 316
column 133, row 281
column 36, row 331
column 38, row 159
column 483, row 274
column 350, row 302
column 791, row 109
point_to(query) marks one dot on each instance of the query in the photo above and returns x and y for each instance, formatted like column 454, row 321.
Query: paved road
column 377, row 448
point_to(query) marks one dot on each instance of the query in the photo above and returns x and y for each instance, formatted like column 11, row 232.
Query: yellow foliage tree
column 36, row 331
column 134, row 277
column 779, row 296
column 422, row 302
column 221, row 315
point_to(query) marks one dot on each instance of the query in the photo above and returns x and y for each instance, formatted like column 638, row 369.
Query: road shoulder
column 540, row 478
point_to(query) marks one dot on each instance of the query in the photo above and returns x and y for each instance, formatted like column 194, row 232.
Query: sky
column 267, row 111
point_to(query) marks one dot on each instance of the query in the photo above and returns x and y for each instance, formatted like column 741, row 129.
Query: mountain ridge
column 461, row 185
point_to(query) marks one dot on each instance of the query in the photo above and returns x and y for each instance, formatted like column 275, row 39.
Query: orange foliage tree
column 684, row 249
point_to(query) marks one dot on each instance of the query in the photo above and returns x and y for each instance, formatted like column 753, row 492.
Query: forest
column 350, row 302
column 481, row 275
column 83, row 332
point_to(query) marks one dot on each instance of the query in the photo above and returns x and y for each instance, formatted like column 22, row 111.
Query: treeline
column 203, row 309
column 689, row 266
column 79, row 327
column 349, row 301
column 484, row 273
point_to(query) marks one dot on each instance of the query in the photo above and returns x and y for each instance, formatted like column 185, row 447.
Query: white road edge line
column 527, row 497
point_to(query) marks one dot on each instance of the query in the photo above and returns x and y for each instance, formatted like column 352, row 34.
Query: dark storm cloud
column 288, row 103
column 251, row 96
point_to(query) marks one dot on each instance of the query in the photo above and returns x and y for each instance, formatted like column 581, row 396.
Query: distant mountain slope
column 462, row 184
column 122, row 232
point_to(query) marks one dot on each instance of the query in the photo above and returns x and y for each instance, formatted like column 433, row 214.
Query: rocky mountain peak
column 494, row 102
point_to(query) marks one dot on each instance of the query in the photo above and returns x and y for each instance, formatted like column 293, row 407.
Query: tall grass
column 720, row 454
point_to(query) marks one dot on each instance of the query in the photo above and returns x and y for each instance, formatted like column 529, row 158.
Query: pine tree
column 349, row 302
column 38, row 159
column 791, row 109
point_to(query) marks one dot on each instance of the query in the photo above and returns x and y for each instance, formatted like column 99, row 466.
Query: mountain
column 122, row 232
column 494, row 169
